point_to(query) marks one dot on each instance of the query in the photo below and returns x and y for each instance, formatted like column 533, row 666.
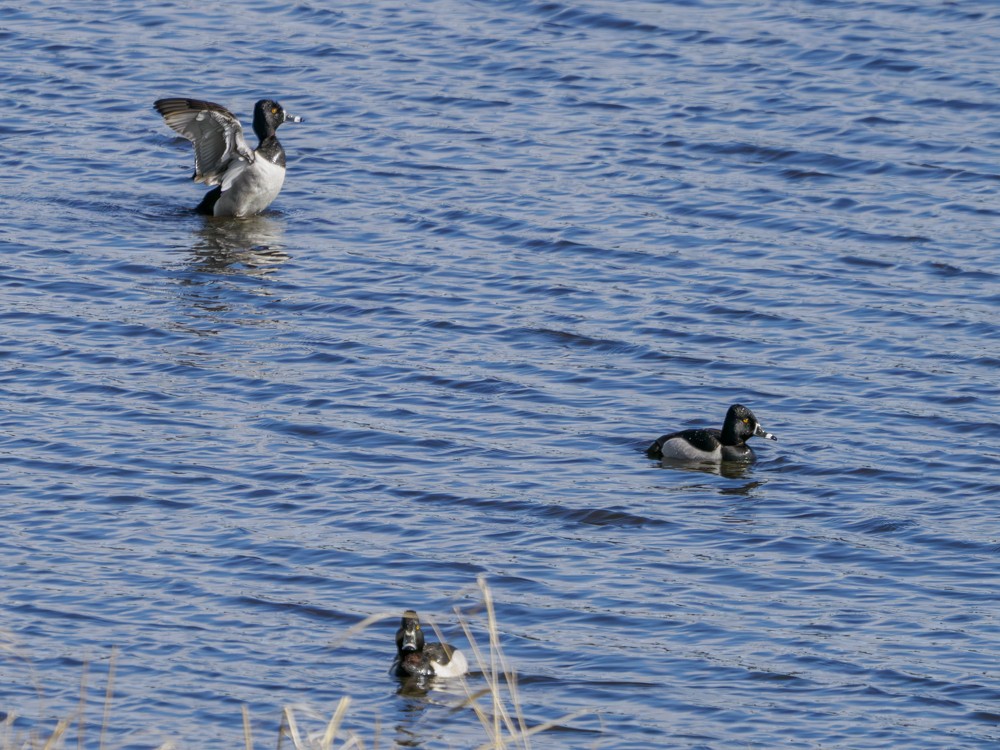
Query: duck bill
column 409, row 642
column 292, row 118
column 761, row 432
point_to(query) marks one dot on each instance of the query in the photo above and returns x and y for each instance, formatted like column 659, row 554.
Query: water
column 518, row 241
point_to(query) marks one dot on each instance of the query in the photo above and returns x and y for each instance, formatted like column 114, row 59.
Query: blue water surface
column 518, row 241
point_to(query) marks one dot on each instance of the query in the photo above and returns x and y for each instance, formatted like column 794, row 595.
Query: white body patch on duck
column 257, row 185
column 681, row 449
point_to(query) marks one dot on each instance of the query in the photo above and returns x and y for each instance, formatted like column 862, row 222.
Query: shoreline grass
column 505, row 726
column 501, row 714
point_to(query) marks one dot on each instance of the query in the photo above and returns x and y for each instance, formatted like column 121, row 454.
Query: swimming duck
column 709, row 444
column 415, row 658
column 246, row 181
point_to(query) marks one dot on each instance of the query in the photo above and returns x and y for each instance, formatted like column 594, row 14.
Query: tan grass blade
column 83, row 703
column 293, row 728
column 57, row 734
column 247, row 736
column 536, row 729
column 331, row 729
column 108, row 694
column 354, row 629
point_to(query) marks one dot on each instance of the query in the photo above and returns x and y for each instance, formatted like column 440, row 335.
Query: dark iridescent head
column 741, row 425
column 268, row 115
column 410, row 636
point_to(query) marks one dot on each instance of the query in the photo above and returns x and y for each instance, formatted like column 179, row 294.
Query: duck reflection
column 251, row 246
column 727, row 469
column 418, row 694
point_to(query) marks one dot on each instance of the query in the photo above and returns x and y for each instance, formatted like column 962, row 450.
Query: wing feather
column 215, row 132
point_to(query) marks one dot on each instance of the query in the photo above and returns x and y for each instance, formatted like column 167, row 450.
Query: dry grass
column 12, row 738
column 496, row 705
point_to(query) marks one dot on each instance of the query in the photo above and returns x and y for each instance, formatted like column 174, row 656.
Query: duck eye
column 746, row 420
column 274, row 110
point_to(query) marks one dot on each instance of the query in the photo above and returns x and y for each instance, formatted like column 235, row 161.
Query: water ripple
column 518, row 240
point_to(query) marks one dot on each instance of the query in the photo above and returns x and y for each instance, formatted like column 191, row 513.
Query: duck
column 415, row 658
column 246, row 182
column 710, row 444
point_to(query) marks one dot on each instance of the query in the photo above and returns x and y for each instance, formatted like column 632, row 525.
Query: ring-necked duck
column 246, row 181
column 414, row 658
column 709, row 444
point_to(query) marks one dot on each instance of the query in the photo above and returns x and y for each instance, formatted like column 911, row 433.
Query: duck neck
column 730, row 435
column 261, row 127
column 271, row 150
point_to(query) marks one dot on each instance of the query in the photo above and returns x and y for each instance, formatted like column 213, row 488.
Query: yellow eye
column 274, row 110
column 746, row 420
column 418, row 627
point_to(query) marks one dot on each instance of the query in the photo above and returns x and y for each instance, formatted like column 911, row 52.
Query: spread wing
column 215, row 132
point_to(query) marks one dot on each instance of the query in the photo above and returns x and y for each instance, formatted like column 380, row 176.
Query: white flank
column 250, row 190
column 682, row 449
column 457, row 667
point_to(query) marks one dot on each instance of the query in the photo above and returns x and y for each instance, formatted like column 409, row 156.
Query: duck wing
column 215, row 132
